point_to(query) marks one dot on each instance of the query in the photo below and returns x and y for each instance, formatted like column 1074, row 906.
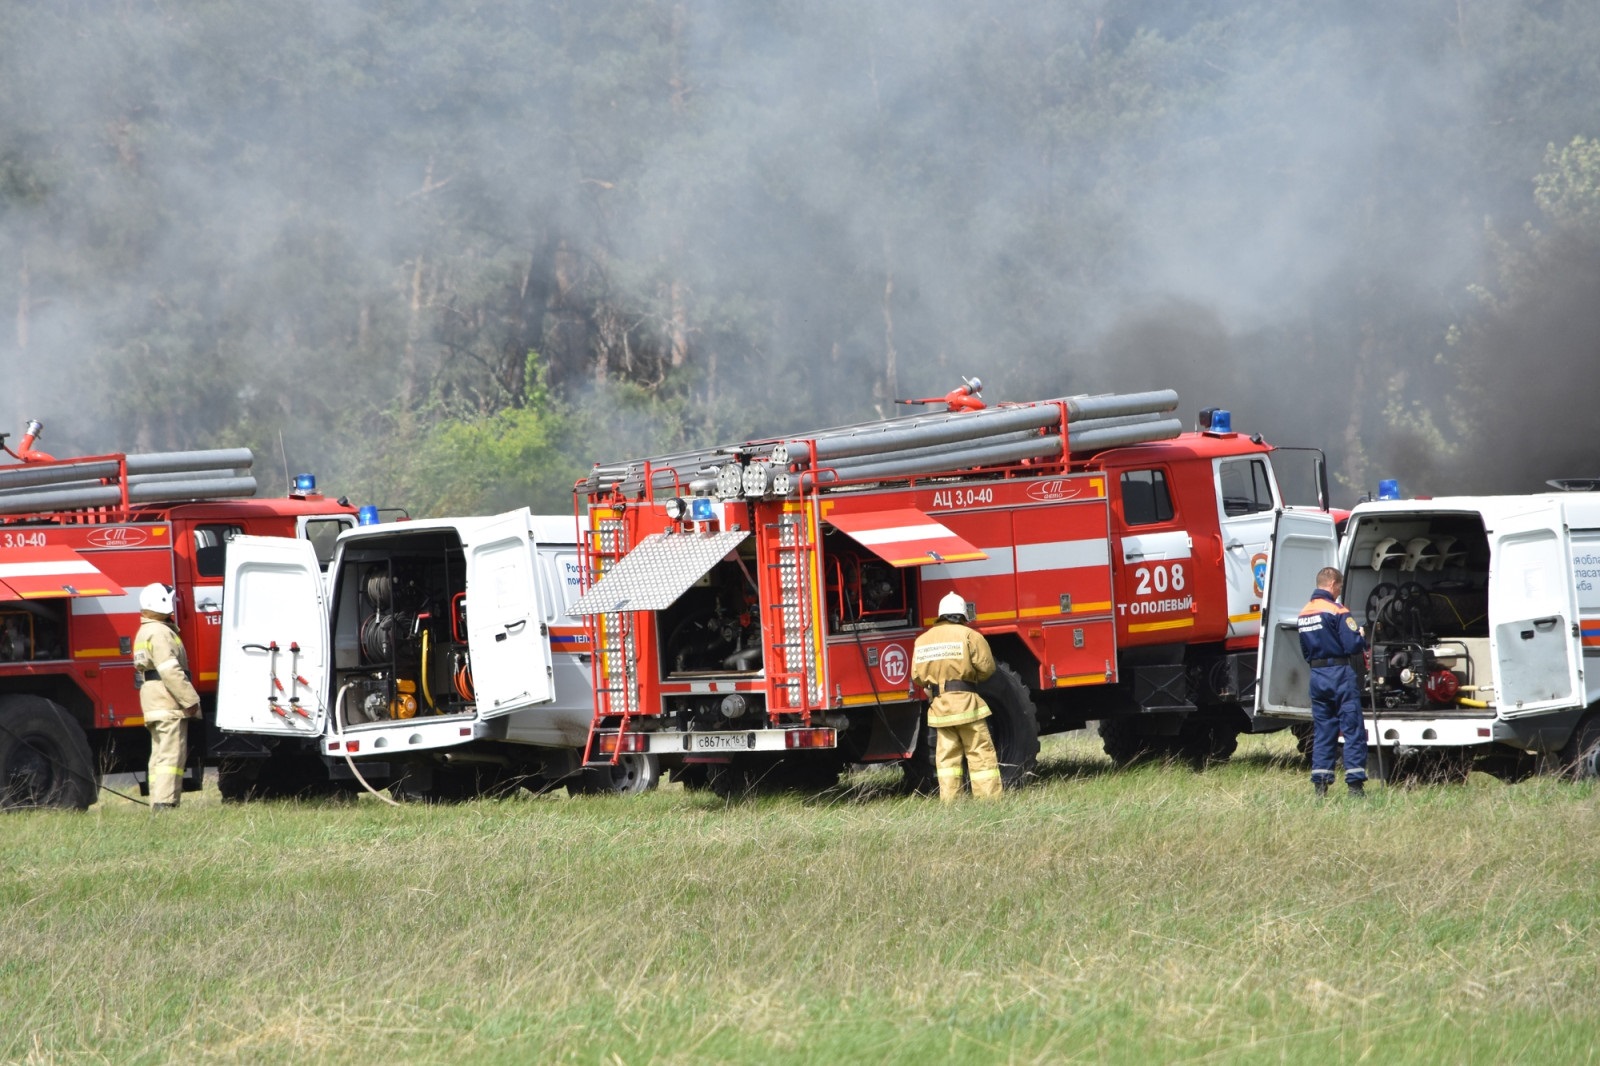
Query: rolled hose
column 338, row 727
column 1482, row 704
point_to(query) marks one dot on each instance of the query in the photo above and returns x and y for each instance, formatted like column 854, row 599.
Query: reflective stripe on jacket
column 947, row 652
column 1328, row 630
column 158, row 648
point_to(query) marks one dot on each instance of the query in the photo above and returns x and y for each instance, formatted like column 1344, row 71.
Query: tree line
column 449, row 255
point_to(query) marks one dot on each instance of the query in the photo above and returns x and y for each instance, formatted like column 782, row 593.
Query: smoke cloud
column 238, row 218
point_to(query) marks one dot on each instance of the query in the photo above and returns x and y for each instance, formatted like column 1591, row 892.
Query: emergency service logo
column 894, row 666
column 118, row 537
column 1048, row 491
column 1258, row 569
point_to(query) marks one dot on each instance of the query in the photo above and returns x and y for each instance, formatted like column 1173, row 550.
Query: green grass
column 1149, row 915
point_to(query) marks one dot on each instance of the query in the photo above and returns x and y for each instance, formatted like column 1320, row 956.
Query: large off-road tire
column 1580, row 758
column 1126, row 742
column 1013, row 726
column 628, row 776
column 45, row 759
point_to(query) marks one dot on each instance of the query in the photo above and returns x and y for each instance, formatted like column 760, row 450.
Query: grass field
column 1147, row 915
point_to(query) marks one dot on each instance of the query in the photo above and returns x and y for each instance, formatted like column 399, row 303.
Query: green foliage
column 1568, row 189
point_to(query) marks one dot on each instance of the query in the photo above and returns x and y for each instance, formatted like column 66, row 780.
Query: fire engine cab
column 753, row 607
column 79, row 538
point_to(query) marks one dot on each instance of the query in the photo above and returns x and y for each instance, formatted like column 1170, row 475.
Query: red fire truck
column 79, row 538
column 758, row 601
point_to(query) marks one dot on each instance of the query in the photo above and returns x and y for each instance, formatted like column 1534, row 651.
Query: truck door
column 274, row 633
column 1533, row 615
column 1245, row 505
column 506, row 632
column 1302, row 543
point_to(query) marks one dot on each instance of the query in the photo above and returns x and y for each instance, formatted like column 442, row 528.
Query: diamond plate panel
column 654, row 574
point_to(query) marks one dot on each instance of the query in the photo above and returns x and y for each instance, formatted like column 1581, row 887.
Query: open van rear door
column 506, row 633
column 1533, row 615
column 274, row 632
column 1303, row 542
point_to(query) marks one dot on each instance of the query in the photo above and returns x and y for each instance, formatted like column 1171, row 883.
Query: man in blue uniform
column 1334, row 646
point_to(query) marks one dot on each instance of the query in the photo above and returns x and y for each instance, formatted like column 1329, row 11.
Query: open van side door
column 507, row 637
column 1533, row 615
column 275, row 597
column 1303, row 542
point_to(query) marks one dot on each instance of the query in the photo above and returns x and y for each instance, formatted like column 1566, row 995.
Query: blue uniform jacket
column 1328, row 630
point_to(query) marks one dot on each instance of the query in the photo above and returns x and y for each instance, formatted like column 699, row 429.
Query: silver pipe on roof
column 30, row 474
column 1127, row 403
column 893, row 436
column 136, row 479
column 981, row 455
column 59, row 499
column 177, row 462
column 1120, row 436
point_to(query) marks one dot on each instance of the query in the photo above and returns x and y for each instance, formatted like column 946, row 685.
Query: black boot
column 1356, row 790
column 1320, row 786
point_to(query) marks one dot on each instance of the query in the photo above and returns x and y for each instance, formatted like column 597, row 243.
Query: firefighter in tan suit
column 161, row 668
column 949, row 660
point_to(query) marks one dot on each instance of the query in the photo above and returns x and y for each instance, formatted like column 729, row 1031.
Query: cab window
column 1145, row 499
column 210, row 549
column 322, row 532
column 1246, row 488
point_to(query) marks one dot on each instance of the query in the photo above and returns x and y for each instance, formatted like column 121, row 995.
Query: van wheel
column 630, row 775
column 1203, row 740
column 1126, row 743
column 1581, row 757
column 1013, row 726
column 44, row 757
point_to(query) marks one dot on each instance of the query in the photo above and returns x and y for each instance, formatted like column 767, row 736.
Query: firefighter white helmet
column 1386, row 549
column 1420, row 554
column 952, row 604
column 156, row 598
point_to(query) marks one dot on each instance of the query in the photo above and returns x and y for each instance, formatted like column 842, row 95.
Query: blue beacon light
column 305, row 484
column 367, row 515
column 1388, row 489
column 1221, row 421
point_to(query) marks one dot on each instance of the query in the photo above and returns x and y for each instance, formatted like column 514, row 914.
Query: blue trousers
column 1335, row 709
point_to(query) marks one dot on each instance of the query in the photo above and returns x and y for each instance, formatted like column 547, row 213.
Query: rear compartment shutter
column 51, row 572
column 656, row 572
column 906, row 537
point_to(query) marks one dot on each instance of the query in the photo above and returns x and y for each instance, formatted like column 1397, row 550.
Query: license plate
column 720, row 742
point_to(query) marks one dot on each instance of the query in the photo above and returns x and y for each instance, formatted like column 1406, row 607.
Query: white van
column 1483, row 615
column 435, row 657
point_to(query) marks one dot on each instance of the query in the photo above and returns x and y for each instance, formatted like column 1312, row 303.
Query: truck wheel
column 629, row 776
column 1203, row 740
column 1126, row 743
column 44, row 757
column 1013, row 726
column 1581, row 757
column 236, row 779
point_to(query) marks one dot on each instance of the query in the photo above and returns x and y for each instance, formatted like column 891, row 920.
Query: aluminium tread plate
column 655, row 573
